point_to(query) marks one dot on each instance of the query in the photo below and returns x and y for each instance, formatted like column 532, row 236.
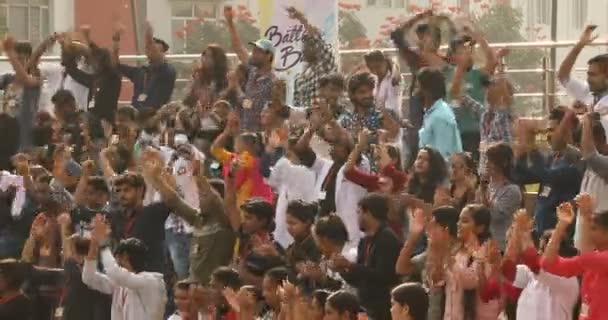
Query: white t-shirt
column 545, row 296
column 580, row 91
column 388, row 95
column 56, row 79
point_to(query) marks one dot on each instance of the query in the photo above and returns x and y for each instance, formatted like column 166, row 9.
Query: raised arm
column 565, row 215
column 237, row 46
column 118, row 32
column 490, row 55
column 458, row 79
column 41, row 49
column 21, row 72
column 152, row 49
column 566, row 67
column 90, row 276
column 405, row 265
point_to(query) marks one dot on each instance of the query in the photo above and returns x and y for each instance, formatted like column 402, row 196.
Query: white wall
column 159, row 15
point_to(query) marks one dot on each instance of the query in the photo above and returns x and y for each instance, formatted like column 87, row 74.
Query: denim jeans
column 178, row 245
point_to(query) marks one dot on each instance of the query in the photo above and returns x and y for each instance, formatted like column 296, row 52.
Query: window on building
column 185, row 12
column 26, row 20
column 543, row 11
column 580, row 13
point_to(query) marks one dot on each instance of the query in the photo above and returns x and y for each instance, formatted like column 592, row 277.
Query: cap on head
column 264, row 44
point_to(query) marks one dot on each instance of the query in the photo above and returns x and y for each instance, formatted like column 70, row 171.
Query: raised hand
column 9, row 43
column 88, row 168
column 418, row 221
column 587, row 37
column 64, row 219
column 363, row 137
column 101, row 230
column 586, row 204
column 522, row 221
column 565, row 213
column 229, row 14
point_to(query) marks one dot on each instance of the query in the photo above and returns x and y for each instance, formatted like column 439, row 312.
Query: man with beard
column 260, row 76
column 134, row 220
column 594, row 92
column 319, row 59
column 374, row 273
column 361, row 94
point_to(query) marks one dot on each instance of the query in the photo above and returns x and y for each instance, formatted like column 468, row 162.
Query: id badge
column 545, row 192
column 59, row 313
column 142, row 97
column 195, row 248
column 247, row 104
column 92, row 104
column 322, row 195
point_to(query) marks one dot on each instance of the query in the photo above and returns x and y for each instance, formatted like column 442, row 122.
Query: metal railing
column 546, row 73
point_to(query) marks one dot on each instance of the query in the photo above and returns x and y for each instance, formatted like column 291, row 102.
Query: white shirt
column 57, row 79
column 134, row 296
column 580, row 91
column 388, row 95
column 293, row 182
column 7, row 180
column 186, row 188
column 545, row 296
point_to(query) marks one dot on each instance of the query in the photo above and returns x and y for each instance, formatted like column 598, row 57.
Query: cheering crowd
column 232, row 204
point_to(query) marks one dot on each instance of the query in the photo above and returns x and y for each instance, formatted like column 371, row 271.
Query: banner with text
column 286, row 34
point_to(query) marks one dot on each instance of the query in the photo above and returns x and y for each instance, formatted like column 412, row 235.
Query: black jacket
column 374, row 274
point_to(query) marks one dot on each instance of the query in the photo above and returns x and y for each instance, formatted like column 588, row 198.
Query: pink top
column 594, row 268
column 460, row 277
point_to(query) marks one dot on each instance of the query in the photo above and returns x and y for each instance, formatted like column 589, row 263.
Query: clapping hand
column 418, row 221
column 101, row 229
column 565, row 213
column 587, row 37
column 586, row 204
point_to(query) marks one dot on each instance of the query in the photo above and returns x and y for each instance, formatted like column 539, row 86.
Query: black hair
column 13, row 272
column 131, row 179
column 252, row 140
column 332, row 228
column 183, row 285
column 335, row 79
column 395, row 155
column 359, row 80
column 125, row 155
column 261, row 209
column 414, row 296
column 435, row 176
column 23, row 47
column 98, row 184
column 432, row 82
column 601, row 220
column 81, row 245
column 321, row 297
column 227, row 277
column 162, row 43
column 136, row 251
column 481, row 216
column 557, row 114
column 128, row 112
column 429, row 28
column 302, row 210
column 278, row 274
column 447, row 217
column 601, row 60
column 566, row 246
column 377, row 56
column 306, row 155
column 377, row 204
column 344, row 302
column 63, row 97
column 501, row 155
